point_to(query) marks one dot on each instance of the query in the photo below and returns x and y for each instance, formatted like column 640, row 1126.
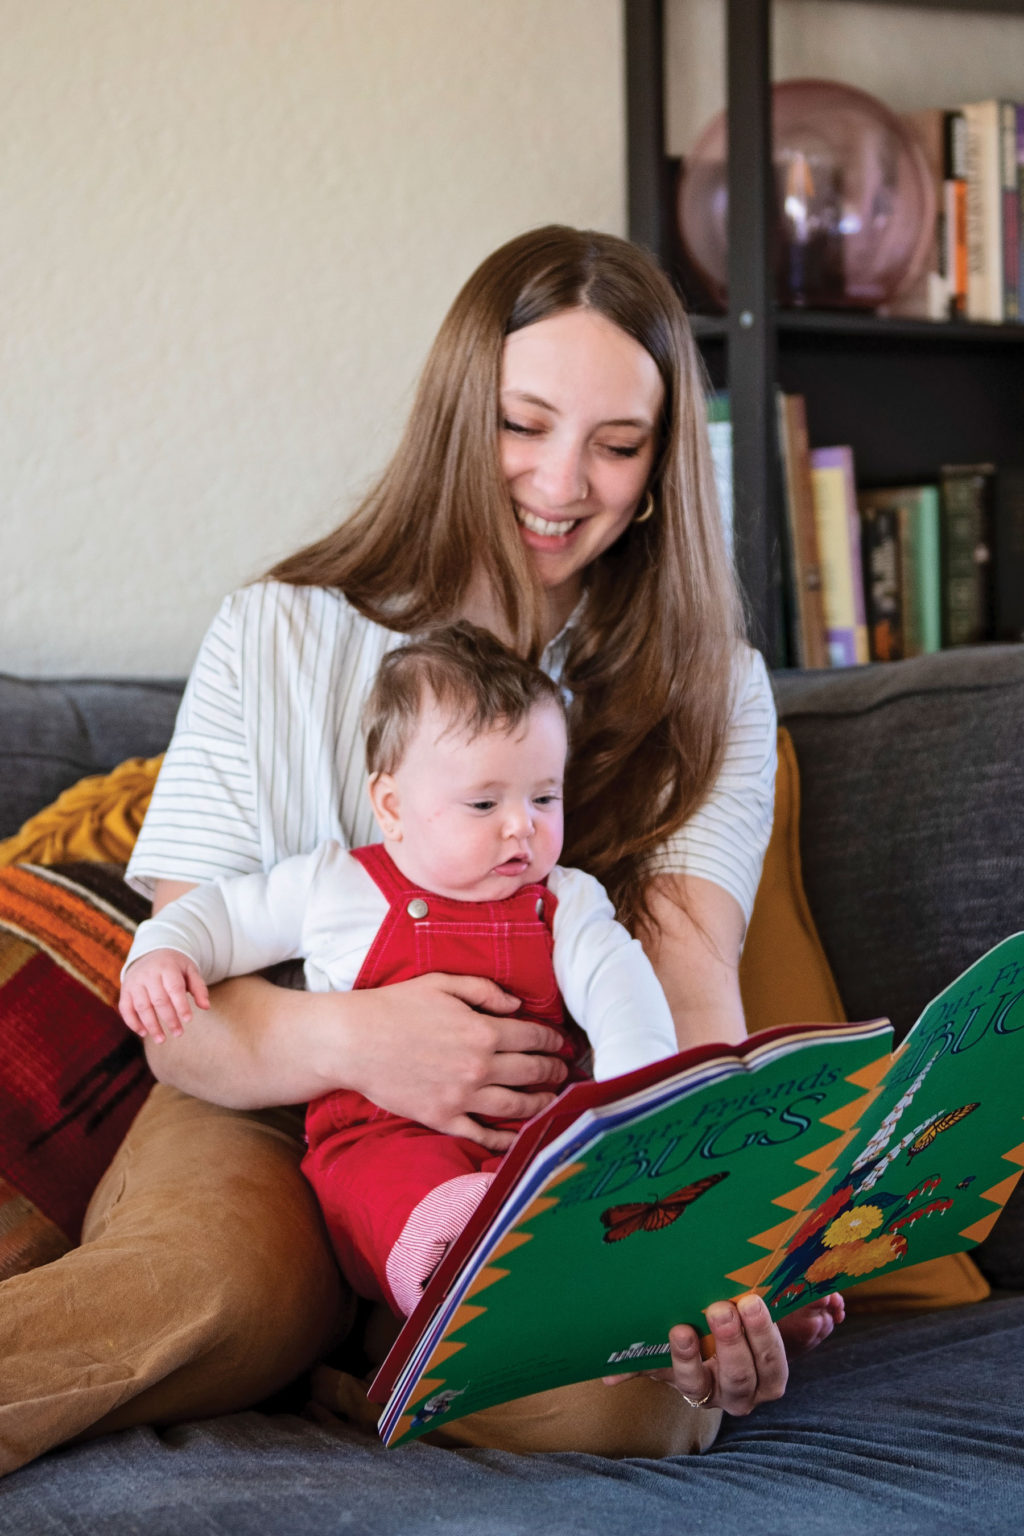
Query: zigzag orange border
column 489, row 1274
column 800, row 1200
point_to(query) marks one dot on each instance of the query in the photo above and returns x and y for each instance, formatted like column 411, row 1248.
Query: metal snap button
column 540, row 906
column 417, row 907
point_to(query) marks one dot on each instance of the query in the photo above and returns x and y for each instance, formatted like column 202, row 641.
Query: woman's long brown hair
column 650, row 660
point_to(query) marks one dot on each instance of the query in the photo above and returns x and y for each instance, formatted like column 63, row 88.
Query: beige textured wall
column 229, row 229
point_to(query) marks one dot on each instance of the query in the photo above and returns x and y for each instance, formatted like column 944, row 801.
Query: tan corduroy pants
column 204, row 1282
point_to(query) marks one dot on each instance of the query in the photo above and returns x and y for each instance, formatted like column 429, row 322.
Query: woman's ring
column 699, row 1402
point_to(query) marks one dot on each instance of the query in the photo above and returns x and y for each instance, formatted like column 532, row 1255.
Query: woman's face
column 580, row 403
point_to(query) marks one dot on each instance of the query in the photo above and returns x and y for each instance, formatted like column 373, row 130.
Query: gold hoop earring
column 648, row 510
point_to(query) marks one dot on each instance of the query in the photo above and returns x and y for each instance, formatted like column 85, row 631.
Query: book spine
column 720, row 441
column 920, row 568
column 880, row 540
column 984, row 212
column 810, row 645
column 838, row 525
column 1010, row 205
column 1009, row 546
column 955, row 196
column 966, row 497
column 1020, row 207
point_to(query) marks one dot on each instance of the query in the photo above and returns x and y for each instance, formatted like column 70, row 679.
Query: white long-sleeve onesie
column 325, row 909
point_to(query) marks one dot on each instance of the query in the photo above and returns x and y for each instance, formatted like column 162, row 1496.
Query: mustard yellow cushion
column 784, row 975
column 785, row 978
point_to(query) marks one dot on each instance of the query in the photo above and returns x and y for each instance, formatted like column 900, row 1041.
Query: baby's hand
column 154, row 994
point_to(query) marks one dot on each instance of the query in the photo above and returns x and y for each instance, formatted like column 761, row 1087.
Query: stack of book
column 882, row 573
column 975, row 155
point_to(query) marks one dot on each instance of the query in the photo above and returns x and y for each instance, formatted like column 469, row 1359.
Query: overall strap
column 382, row 870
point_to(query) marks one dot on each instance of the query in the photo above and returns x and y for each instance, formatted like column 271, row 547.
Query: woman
column 553, row 484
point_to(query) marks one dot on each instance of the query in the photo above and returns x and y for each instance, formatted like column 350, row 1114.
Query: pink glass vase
column 855, row 205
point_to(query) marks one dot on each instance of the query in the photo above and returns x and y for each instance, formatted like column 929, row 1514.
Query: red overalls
column 369, row 1168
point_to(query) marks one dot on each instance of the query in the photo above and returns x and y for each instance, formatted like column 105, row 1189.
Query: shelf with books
column 885, row 571
column 906, row 393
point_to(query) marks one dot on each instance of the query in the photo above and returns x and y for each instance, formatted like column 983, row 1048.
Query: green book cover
column 799, row 1163
column 917, row 507
column 920, row 525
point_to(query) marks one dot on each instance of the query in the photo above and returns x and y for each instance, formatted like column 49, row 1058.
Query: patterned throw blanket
column 73, row 1077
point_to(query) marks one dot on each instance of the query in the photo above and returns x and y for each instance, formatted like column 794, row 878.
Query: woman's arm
column 259, row 1045
column 694, row 947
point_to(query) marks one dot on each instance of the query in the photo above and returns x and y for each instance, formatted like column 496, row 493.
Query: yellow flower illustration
column 853, row 1225
column 857, row 1258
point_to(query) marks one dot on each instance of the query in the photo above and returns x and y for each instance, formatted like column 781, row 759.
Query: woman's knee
column 209, row 1212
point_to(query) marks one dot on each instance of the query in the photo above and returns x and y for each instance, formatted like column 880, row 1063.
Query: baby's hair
column 480, row 682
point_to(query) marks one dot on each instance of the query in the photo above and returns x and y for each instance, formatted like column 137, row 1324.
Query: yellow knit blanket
column 97, row 819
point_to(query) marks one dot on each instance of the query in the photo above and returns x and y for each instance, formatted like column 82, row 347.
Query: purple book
column 842, row 573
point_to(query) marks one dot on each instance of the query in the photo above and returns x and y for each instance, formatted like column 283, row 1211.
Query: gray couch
column 912, row 836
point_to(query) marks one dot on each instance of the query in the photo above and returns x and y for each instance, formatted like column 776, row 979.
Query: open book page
column 796, row 1164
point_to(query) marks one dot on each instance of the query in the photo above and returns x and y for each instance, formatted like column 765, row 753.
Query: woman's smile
column 545, row 527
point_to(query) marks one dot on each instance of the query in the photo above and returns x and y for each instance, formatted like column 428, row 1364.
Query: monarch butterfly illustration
column 653, row 1215
column 936, row 1127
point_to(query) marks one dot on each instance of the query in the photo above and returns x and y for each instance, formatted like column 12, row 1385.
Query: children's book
column 800, row 1162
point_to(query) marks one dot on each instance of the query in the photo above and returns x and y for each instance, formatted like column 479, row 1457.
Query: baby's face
column 476, row 819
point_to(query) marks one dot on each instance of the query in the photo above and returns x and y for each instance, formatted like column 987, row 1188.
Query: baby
column 466, row 747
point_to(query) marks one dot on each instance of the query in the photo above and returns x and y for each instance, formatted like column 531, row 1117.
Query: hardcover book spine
column 921, row 566
column 811, row 644
column 955, row 198
column 1020, row 208
column 720, row 439
column 966, row 498
column 883, row 597
column 1009, row 543
column 838, row 525
column 984, row 211
column 1010, row 200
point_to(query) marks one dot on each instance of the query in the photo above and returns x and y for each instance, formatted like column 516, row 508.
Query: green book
column 920, row 561
column 801, row 1162
column 966, row 495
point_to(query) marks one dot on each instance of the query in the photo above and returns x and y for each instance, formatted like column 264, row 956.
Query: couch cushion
column 72, row 1077
column 912, row 841
column 912, row 836
column 914, row 1426
column 57, row 731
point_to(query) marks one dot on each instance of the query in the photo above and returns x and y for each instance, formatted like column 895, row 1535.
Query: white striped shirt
column 267, row 758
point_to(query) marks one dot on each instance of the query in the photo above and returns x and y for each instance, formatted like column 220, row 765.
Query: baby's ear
column 383, row 792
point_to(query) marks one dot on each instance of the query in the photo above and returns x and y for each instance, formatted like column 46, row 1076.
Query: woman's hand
column 440, row 1051
column 749, row 1365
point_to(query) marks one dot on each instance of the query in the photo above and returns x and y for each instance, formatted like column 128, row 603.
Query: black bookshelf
column 907, row 394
